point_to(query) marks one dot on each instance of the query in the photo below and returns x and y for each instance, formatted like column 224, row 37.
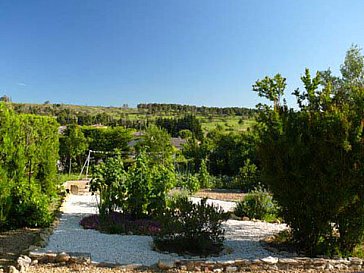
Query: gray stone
column 270, row 260
column 12, row 269
column 227, row 262
column 63, row 257
column 329, row 266
column 272, row 267
column 23, row 263
column 287, row 261
column 36, row 254
column 341, row 266
column 231, row 269
column 165, row 264
column 355, row 266
column 355, row 260
column 217, row 270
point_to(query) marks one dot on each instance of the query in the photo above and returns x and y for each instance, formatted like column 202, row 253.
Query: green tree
column 312, row 161
column 73, row 144
column 271, row 88
column 157, row 144
column 352, row 70
column 203, row 175
column 110, row 180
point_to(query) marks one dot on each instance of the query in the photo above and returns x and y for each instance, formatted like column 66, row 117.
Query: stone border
column 268, row 263
column 265, row 264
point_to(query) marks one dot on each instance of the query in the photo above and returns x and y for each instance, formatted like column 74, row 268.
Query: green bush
column 28, row 157
column 248, row 177
column 188, row 182
column 257, row 205
column 139, row 191
column 176, row 194
column 31, row 208
column 204, row 176
column 312, row 157
column 110, row 181
column 191, row 228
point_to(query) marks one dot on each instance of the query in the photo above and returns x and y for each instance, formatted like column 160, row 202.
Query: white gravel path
column 242, row 237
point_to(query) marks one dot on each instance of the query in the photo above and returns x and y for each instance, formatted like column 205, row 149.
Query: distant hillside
column 138, row 117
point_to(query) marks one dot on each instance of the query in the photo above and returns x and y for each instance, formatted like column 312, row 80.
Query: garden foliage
column 28, row 157
column 191, row 228
column 141, row 189
column 258, row 204
column 312, row 158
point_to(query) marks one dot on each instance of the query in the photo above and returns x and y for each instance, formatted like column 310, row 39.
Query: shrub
column 188, row 182
column 109, row 179
column 258, row 205
column 176, row 194
column 312, row 157
column 28, row 156
column 30, row 207
column 191, row 228
column 249, row 177
column 204, row 176
column 139, row 192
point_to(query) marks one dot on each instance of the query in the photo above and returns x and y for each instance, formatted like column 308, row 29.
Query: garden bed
column 14, row 242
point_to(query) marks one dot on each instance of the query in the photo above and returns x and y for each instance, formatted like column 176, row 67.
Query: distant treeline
column 154, row 108
column 138, row 118
column 174, row 126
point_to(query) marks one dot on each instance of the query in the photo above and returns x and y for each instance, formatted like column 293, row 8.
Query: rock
column 23, row 263
column 80, row 257
column 226, row 263
column 272, row 267
column 329, row 267
column 341, row 266
column 217, row 270
column 49, row 258
column 36, row 255
column 287, row 261
column 62, row 257
column 12, row 269
column 355, row 267
column 242, row 262
column 355, row 260
column 165, row 264
column 270, row 260
column 231, row 269
column 246, row 218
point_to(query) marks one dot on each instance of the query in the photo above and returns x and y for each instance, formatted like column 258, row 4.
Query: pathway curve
column 242, row 237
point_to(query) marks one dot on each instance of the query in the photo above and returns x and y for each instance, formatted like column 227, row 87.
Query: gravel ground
column 225, row 205
column 242, row 237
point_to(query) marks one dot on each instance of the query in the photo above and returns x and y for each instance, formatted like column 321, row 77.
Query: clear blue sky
column 205, row 52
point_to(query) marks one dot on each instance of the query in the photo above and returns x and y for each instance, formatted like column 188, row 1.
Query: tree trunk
column 70, row 166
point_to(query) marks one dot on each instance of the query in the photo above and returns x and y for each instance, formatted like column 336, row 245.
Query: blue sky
column 204, row 52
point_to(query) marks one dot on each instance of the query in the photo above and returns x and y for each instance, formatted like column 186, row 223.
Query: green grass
column 67, row 177
column 228, row 123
